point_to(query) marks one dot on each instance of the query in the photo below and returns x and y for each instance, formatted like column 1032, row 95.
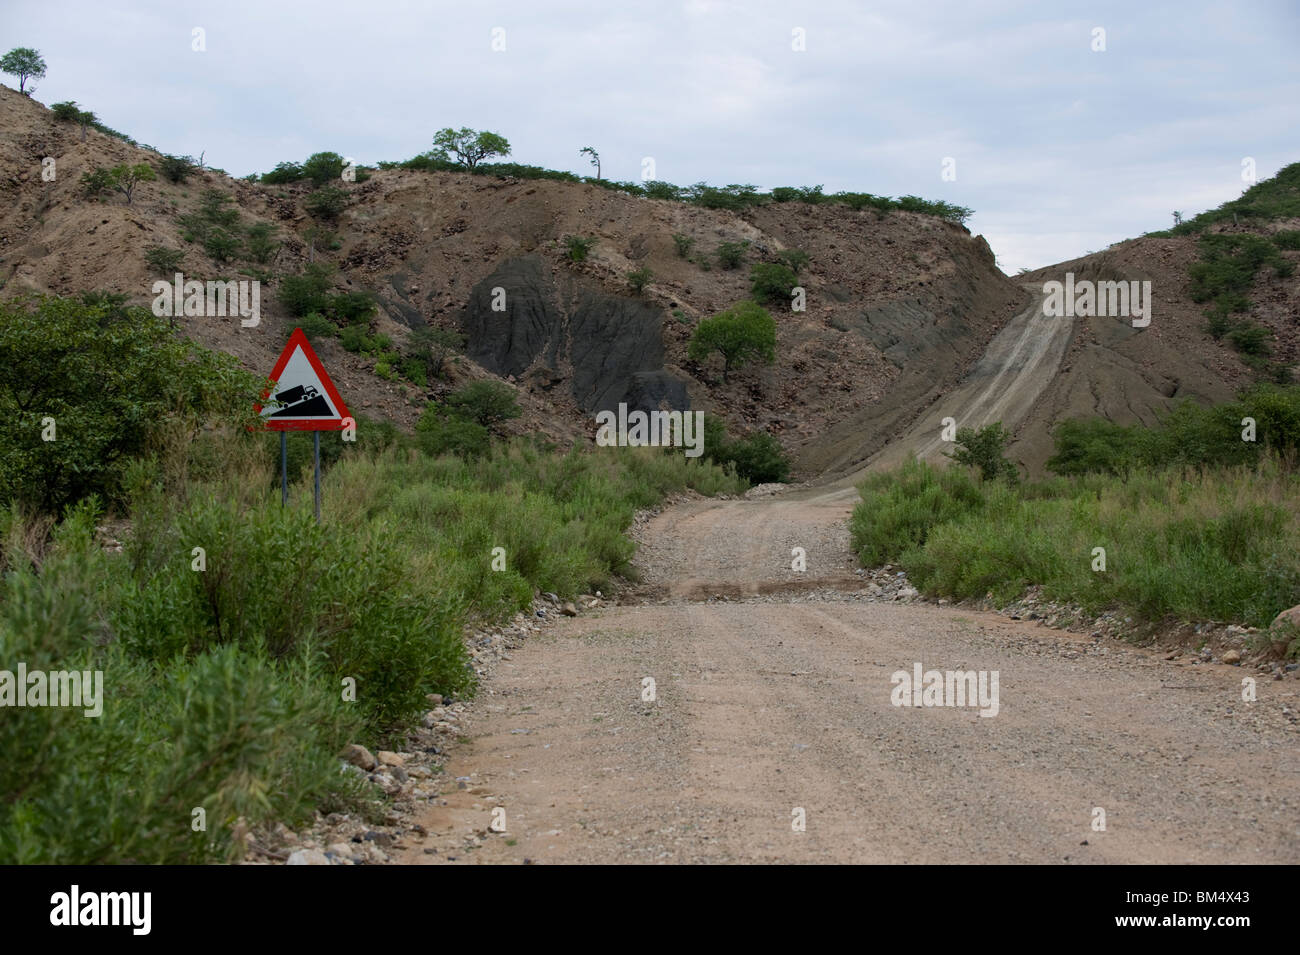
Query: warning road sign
column 308, row 400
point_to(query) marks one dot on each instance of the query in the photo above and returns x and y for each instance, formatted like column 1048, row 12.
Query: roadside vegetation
column 242, row 644
column 1196, row 524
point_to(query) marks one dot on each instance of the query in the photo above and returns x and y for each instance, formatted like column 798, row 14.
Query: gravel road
column 777, row 698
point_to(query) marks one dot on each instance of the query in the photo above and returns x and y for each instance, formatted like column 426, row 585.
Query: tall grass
column 1215, row 544
column 235, row 673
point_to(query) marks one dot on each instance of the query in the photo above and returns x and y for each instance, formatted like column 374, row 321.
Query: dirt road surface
column 766, row 705
column 774, row 703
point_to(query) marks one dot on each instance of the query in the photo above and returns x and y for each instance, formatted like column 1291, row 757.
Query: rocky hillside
column 899, row 304
column 1129, row 374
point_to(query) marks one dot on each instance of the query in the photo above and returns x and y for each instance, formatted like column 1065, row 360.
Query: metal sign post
column 316, row 441
column 304, row 400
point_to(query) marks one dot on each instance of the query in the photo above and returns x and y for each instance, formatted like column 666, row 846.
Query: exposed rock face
column 613, row 344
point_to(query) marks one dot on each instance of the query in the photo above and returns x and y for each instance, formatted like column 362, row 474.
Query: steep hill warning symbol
column 307, row 399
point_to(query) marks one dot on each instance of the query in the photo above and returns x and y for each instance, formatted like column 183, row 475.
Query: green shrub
column 638, row 279
column 758, row 458
column 50, row 348
column 487, row 402
column 307, row 292
column 354, row 338
column 284, row 172
column 221, row 245
column 416, row 371
column 982, row 448
column 1250, row 338
column 731, row 254
column 1288, row 239
column 578, row 247
column 352, row 307
column 326, row 203
column 316, row 326
column 742, row 334
column 1095, row 446
column 176, row 169
column 95, row 183
column 899, row 509
column 431, row 345
column 323, row 168
column 438, row 432
column 683, row 244
column 66, row 112
column 795, row 259
column 162, row 260
column 772, row 282
column 260, row 242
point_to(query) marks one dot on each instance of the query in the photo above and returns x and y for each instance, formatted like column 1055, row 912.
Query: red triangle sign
column 310, row 400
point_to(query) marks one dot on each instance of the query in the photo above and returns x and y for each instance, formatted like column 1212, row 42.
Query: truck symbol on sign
column 296, row 394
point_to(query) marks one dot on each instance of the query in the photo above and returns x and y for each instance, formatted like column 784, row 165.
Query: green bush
column 1095, row 446
column 899, row 509
column 795, row 259
column 758, row 458
column 162, row 260
column 657, row 189
column 638, row 279
column 323, row 168
column 487, row 402
column 982, row 448
column 431, row 345
column 306, row 292
column 326, row 203
column 578, row 247
column 52, row 349
column 731, row 254
column 95, row 183
column 176, row 169
column 439, row 432
column 316, row 326
column 1250, row 338
column 221, row 245
column 415, row 371
column 772, row 282
column 1287, row 239
column 742, row 334
column 354, row 338
column 260, row 242
column 283, row 173
column 683, row 244
column 352, row 307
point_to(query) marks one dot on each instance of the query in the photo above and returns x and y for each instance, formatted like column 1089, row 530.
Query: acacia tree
column 125, row 177
column 469, row 147
column 595, row 157
column 742, row 334
column 24, row 63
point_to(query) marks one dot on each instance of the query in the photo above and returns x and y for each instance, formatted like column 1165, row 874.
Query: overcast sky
column 1061, row 149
